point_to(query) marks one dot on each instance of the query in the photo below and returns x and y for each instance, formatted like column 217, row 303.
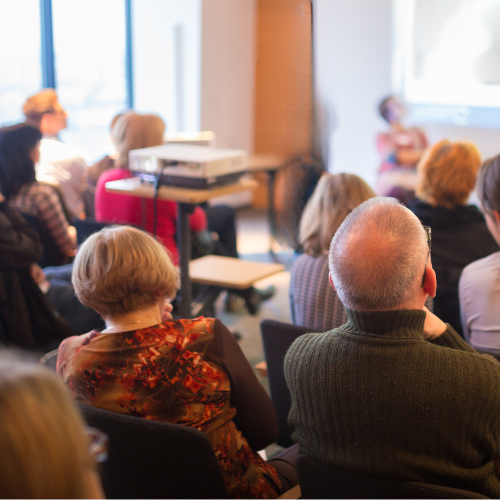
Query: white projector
column 197, row 167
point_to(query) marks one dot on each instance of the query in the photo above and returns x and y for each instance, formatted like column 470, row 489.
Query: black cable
column 156, row 186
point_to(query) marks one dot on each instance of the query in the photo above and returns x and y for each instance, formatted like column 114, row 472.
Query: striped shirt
column 42, row 201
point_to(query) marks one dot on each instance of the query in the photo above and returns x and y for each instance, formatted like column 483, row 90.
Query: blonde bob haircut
column 447, row 173
column 335, row 196
column 122, row 269
column 44, row 447
column 131, row 130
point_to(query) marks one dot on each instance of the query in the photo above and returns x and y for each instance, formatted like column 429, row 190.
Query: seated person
column 400, row 149
column 134, row 131
column 60, row 163
column 446, row 176
column 190, row 372
column 385, row 381
column 42, row 435
column 26, row 317
column 478, row 288
column 19, row 151
column 313, row 302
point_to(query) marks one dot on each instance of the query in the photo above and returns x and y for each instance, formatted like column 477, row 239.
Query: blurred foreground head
column 45, row 451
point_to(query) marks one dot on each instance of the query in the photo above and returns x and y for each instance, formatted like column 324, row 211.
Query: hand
column 37, row 273
column 433, row 326
column 167, row 312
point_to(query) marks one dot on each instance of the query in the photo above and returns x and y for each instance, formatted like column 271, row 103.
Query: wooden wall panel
column 283, row 86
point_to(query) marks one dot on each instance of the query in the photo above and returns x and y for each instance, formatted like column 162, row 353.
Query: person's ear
column 496, row 217
column 331, row 281
column 430, row 282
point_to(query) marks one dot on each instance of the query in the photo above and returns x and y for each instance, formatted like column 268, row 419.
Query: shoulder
column 305, row 261
column 113, row 174
column 71, row 345
column 482, row 267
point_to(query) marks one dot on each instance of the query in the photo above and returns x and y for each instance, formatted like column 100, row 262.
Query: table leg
column 184, row 247
column 271, row 211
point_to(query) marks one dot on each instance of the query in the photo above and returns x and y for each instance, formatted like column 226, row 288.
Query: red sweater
column 123, row 209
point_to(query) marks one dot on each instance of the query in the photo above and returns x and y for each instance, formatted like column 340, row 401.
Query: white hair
column 378, row 256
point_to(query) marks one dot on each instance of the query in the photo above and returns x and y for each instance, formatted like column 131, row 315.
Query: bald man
column 394, row 392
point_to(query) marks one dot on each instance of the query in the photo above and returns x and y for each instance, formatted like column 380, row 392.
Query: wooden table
column 186, row 199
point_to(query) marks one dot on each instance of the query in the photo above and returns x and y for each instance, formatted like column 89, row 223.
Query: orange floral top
column 189, row 372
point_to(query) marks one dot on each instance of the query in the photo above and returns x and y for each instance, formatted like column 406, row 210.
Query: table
column 186, row 199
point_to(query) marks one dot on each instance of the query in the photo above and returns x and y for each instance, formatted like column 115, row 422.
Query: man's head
column 378, row 257
column 45, row 112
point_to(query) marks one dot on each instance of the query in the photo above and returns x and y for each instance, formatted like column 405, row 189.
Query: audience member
column 130, row 131
column 313, row 302
column 26, row 318
column 44, row 445
column 19, row 151
column 395, row 392
column 60, row 163
column 189, row 372
column 479, row 287
column 446, row 176
column 401, row 148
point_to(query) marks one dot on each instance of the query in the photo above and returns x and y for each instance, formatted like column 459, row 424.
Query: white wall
column 353, row 52
column 167, row 71
column 228, row 71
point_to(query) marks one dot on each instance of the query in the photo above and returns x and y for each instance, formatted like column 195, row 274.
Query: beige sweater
column 374, row 397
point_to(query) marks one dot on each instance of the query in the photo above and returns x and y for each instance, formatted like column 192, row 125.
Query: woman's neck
column 133, row 320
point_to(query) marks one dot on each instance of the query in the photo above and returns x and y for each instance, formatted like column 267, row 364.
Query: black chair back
column 87, row 227
column 151, row 459
column 277, row 337
column 320, row 480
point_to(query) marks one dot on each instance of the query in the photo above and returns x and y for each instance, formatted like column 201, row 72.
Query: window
column 20, row 56
column 89, row 56
column 447, row 59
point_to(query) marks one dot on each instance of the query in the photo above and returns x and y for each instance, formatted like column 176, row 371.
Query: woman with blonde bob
column 446, row 176
column 189, row 372
column 313, row 301
column 44, row 446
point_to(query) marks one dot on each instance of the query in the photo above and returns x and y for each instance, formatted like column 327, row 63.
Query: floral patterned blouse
column 189, row 372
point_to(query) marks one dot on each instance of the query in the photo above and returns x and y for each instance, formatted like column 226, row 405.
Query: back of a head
column 16, row 164
column 488, row 185
column 37, row 105
column 447, row 173
column 335, row 196
column 44, row 447
column 135, row 131
column 383, row 107
column 378, row 256
column 120, row 269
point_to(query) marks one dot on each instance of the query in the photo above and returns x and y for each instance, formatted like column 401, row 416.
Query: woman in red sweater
column 134, row 131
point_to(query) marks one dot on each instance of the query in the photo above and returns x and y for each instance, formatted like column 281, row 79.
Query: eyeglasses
column 428, row 232
column 98, row 444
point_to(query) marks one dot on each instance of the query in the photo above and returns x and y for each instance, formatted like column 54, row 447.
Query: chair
column 87, row 227
column 277, row 337
column 151, row 459
column 320, row 480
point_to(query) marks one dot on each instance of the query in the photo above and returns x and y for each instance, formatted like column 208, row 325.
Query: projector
column 196, row 167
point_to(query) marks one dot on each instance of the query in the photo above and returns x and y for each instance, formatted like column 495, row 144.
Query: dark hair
column 383, row 107
column 16, row 166
column 488, row 185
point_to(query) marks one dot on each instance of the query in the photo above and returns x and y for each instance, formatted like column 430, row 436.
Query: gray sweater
column 374, row 397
